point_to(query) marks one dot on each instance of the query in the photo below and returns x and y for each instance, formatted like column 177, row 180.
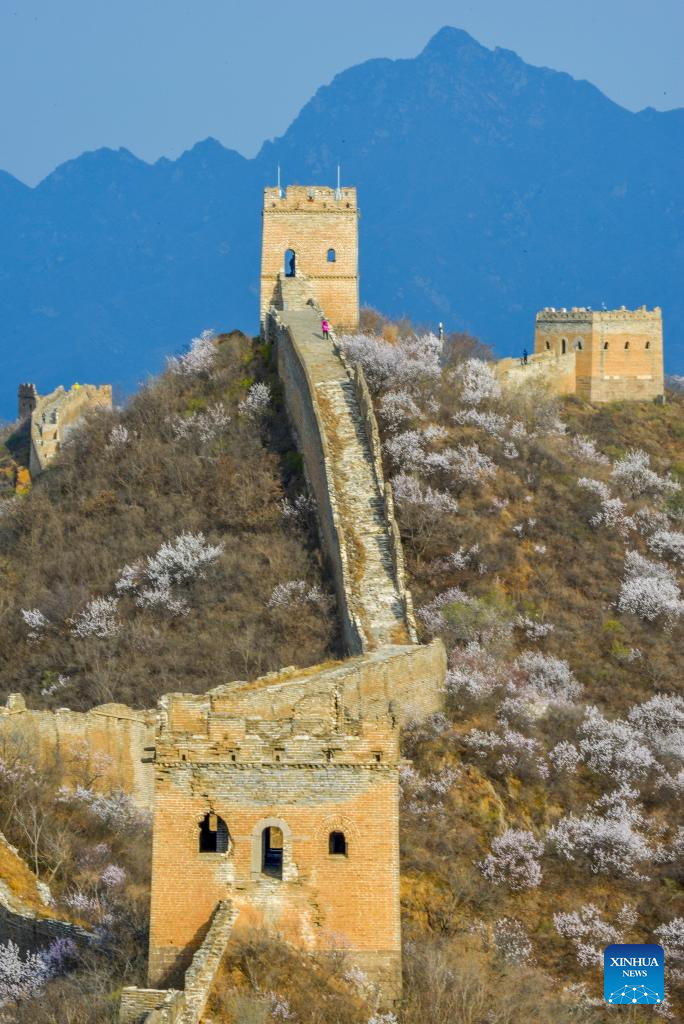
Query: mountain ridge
column 488, row 187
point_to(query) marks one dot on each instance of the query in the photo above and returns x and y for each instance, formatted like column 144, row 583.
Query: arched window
column 272, row 851
column 605, row 345
column 564, row 345
column 213, row 834
column 332, row 256
column 626, row 345
column 548, row 346
column 578, row 344
column 337, row 844
column 648, row 344
column 290, row 263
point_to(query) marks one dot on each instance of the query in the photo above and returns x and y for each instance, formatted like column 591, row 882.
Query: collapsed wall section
column 55, row 414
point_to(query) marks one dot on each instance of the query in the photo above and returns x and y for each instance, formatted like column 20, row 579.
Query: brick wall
column 111, row 739
column 323, row 900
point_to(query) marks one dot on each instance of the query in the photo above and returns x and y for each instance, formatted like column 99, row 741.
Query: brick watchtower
column 313, row 232
column 618, row 352
column 293, row 817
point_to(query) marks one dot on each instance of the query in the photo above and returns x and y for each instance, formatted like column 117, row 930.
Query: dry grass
column 102, row 507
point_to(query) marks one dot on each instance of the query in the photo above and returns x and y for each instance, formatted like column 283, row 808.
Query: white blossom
column 408, row 492
column 300, row 511
column 511, row 941
column 199, row 359
column 564, row 757
column 493, row 424
column 406, row 450
column 257, row 401
column 478, row 382
column 432, row 614
column 295, row 592
column 634, row 473
column 649, row 590
column 584, row 448
column 473, row 672
column 396, row 408
column 613, row 747
column 411, row 364
column 177, row 562
column 97, row 619
column 206, row 425
column 668, row 544
column 671, row 938
column 514, row 860
column 610, row 842
column 35, row 621
column 547, row 678
column 613, row 515
column 21, row 977
column 468, row 463
column 588, row 932
column 533, row 629
column 113, row 876
column 119, row 436
column 595, row 487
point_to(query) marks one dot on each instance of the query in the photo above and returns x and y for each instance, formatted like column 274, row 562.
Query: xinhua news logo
column 634, row 973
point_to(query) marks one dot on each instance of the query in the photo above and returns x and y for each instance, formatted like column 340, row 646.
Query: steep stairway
column 376, row 593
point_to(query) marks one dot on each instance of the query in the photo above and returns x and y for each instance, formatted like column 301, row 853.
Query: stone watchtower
column 311, row 232
column 273, row 796
column 618, row 352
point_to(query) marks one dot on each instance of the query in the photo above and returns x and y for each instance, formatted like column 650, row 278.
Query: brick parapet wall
column 109, row 741
column 557, row 372
column 186, row 1006
column 365, row 402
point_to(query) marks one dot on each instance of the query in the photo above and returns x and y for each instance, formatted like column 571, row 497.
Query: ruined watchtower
column 282, row 796
column 311, row 233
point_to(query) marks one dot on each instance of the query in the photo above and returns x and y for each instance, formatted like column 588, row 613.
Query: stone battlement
column 310, row 198
column 585, row 313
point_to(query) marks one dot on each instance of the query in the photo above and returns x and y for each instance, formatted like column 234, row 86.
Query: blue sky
column 157, row 75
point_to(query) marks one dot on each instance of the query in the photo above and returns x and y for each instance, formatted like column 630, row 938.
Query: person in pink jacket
column 325, row 327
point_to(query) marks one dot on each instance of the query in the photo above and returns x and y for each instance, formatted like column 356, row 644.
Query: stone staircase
column 377, row 598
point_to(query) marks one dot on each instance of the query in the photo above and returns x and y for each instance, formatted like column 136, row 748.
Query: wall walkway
column 331, row 412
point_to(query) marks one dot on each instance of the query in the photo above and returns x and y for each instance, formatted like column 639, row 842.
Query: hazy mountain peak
column 489, row 189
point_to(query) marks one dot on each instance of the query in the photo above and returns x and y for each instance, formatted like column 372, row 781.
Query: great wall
column 276, row 801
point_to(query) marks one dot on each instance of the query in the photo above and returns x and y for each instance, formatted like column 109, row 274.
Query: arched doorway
column 290, row 263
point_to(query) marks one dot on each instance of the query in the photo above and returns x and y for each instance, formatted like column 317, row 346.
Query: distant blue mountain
column 488, row 189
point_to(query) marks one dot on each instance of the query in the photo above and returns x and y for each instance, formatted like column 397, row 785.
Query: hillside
column 541, row 813
column 165, row 551
column 489, row 189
